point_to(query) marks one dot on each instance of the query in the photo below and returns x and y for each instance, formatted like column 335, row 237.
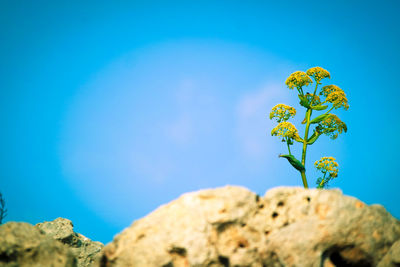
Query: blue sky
column 110, row 109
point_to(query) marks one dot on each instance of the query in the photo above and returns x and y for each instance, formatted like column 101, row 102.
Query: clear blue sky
column 112, row 108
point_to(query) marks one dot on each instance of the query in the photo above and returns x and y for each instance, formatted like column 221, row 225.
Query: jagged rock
column 23, row 245
column 232, row 226
column 83, row 248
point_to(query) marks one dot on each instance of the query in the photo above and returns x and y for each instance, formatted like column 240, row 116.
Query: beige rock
column 392, row 258
column 84, row 249
column 232, row 226
column 23, row 245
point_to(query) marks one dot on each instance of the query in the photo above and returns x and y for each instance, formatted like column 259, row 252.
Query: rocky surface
column 84, row 249
column 46, row 244
column 232, row 226
column 23, row 245
column 392, row 258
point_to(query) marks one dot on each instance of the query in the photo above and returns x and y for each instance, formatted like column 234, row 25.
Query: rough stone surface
column 232, row 226
column 392, row 258
column 83, row 248
column 23, row 245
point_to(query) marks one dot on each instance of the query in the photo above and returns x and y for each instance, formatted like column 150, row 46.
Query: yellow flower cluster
column 282, row 112
column 318, row 73
column 336, row 96
column 298, row 79
column 332, row 126
column 328, row 165
column 286, row 129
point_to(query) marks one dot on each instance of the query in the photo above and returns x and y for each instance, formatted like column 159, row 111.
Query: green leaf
column 294, row 162
column 313, row 138
column 304, row 101
column 319, row 107
column 298, row 139
column 320, row 118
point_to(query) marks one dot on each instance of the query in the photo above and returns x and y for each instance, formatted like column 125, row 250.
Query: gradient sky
column 112, row 108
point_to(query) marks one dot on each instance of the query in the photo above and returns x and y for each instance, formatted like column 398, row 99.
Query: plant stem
column 322, row 181
column 288, row 146
column 303, row 156
column 329, row 110
column 315, row 91
column 303, row 177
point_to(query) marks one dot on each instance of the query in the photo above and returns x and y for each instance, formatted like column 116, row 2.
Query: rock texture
column 23, row 245
column 82, row 247
column 392, row 258
column 47, row 244
column 232, row 226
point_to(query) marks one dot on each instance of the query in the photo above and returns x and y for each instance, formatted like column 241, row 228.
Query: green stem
column 303, row 177
column 329, row 110
column 322, row 181
column 303, row 156
column 288, row 146
column 315, row 91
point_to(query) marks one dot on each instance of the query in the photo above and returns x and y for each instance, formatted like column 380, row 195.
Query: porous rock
column 23, row 245
column 232, row 226
column 84, row 249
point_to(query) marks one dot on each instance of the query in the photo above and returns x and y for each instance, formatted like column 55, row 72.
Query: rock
column 392, row 258
column 83, row 248
column 325, row 228
column 23, row 245
column 60, row 229
column 232, row 226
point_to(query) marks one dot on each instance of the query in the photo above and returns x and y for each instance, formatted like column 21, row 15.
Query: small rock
column 83, row 248
column 23, row 245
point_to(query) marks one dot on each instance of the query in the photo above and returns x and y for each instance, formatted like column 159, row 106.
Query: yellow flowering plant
column 330, row 97
column 329, row 168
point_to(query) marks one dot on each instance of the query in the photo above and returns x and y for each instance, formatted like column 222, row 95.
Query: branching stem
column 329, row 110
column 322, row 180
column 313, row 96
column 288, row 146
